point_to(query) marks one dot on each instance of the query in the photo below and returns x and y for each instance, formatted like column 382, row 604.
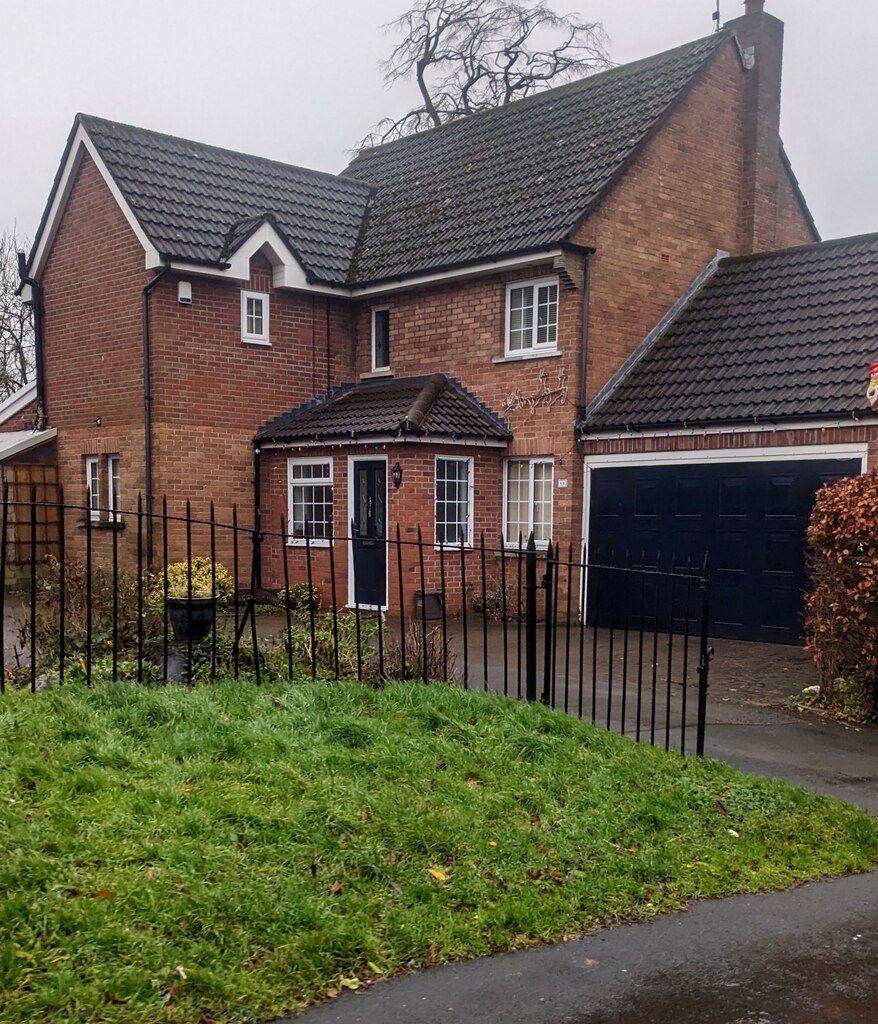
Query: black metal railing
column 622, row 641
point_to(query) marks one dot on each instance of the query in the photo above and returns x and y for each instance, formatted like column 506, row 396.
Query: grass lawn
column 229, row 853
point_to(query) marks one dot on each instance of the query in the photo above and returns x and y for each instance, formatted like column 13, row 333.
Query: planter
column 190, row 619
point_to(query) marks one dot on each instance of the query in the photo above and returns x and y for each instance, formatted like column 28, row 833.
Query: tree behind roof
column 471, row 55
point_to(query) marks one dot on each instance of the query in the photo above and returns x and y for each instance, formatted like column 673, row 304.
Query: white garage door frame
column 778, row 453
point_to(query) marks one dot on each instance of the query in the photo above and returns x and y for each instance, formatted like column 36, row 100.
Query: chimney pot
column 754, row 6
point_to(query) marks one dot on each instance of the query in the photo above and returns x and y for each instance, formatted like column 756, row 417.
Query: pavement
column 806, row 955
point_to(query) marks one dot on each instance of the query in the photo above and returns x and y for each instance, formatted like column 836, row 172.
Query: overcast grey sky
column 297, row 81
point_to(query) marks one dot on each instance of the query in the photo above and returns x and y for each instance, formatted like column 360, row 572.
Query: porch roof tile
column 427, row 406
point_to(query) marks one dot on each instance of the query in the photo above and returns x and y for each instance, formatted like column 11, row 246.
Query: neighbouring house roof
column 197, row 202
column 14, row 442
column 516, row 178
column 17, row 402
column 430, row 406
column 779, row 335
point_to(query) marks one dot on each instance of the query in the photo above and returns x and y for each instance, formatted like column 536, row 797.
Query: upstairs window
column 381, row 339
column 310, row 500
column 532, row 317
column 254, row 318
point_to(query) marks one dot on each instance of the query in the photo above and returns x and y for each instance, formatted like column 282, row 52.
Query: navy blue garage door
column 750, row 516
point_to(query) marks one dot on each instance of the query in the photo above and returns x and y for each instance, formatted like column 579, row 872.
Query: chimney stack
column 761, row 39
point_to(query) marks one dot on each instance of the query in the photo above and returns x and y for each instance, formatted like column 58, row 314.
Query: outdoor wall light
column 396, row 474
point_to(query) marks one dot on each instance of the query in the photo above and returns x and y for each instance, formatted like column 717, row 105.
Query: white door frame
column 352, row 461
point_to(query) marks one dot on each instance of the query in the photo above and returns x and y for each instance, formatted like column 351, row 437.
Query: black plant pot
column 190, row 620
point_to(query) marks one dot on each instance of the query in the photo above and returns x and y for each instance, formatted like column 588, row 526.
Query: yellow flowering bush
column 177, row 574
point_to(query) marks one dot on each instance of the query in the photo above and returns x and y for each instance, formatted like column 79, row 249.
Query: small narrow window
column 254, row 318
column 310, row 500
column 93, row 487
column 532, row 317
column 114, row 486
column 381, row 339
column 454, row 501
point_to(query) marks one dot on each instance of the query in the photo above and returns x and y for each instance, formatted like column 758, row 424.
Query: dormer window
column 532, row 317
column 254, row 318
column 381, row 338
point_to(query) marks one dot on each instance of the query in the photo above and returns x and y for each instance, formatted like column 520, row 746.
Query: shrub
column 493, row 601
column 297, row 596
column 104, row 588
column 841, row 621
column 415, row 650
column 178, row 580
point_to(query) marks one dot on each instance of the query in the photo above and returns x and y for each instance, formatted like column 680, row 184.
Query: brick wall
column 675, row 207
column 92, row 347
column 410, row 505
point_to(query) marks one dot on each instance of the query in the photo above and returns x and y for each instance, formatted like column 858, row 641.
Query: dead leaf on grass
column 332, row 993
column 103, row 894
column 720, row 806
column 438, row 874
column 336, row 887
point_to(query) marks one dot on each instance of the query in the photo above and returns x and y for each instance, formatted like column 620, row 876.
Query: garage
column 750, row 516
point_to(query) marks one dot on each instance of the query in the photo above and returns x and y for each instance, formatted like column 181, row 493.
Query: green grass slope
column 230, row 853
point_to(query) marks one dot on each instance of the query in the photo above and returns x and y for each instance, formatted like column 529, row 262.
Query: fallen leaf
column 732, row 832
column 473, row 783
column 152, row 873
column 721, row 807
column 335, row 888
column 491, row 842
column 391, row 857
column 103, row 894
column 535, row 875
column 394, row 887
column 332, row 993
column 440, row 876
column 180, row 886
column 368, row 712
column 353, row 983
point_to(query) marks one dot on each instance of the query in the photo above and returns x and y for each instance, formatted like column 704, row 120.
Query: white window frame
column 536, row 348
column 376, row 310
column 247, row 337
column 468, row 540
column 512, row 542
column 114, row 487
column 93, row 493
column 328, row 481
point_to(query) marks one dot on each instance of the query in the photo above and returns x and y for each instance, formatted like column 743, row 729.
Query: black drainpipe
column 583, row 366
column 39, row 368
column 147, row 412
column 257, row 520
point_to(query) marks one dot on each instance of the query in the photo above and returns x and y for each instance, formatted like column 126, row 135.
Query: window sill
column 261, row 342
column 385, row 372
column 314, row 543
column 102, row 524
column 521, row 357
column 455, row 548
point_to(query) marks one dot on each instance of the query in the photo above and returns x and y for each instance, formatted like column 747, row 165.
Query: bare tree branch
column 16, row 321
column 471, row 55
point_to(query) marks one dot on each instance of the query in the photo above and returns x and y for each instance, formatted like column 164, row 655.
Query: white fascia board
column 294, row 277
column 380, row 439
column 83, row 144
column 774, row 453
column 475, row 270
column 14, row 403
column 620, row 434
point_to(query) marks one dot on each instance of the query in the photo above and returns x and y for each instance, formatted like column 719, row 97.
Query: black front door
column 370, row 532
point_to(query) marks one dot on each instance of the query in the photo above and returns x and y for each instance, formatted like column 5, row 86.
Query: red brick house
column 428, row 339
